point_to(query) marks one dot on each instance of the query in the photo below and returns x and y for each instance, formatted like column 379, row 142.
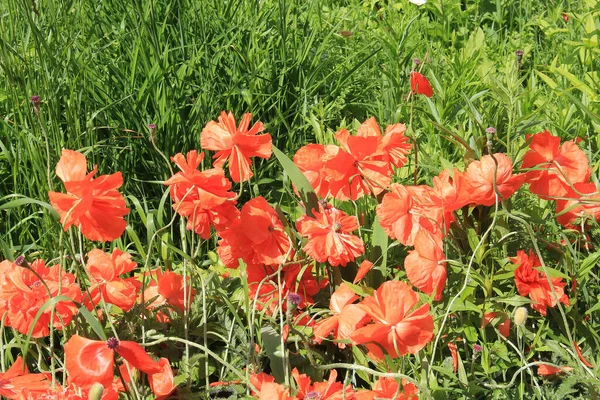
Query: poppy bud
column 293, row 300
column 520, row 316
column 35, row 100
column 565, row 17
column 96, row 391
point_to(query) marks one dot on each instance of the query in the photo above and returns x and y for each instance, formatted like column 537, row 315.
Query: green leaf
column 275, row 351
column 93, row 322
column 378, row 254
column 307, row 194
column 26, row 200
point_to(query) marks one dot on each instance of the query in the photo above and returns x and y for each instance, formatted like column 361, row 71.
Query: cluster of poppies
column 285, row 264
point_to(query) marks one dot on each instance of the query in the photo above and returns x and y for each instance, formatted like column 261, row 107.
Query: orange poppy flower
column 554, row 166
column 586, row 204
column 503, row 325
column 346, row 316
column 236, row 144
column 17, row 380
column 359, row 166
column 479, row 178
column 104, row 270
column 162, row 383
column 329, row 237
column 425, row 266
column 407, row 209
column 295, row 279
column 90, row 361
column 420, row 85
column 95, row 206
column 311, row 160
column 274, row 391
column 532, row 282
column 166, row 288
column 262, row 226
column 330, row 390
column 388, row 388
column 449, row 190
column 549, row 370
column 22, row 294
column 395, row 328
column 396, row 144
column 204, row 197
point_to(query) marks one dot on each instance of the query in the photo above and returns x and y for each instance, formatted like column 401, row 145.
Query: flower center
column 312, row 396
column 271, row 228
column 35, row 284
column 112, row 343
column 337, row 227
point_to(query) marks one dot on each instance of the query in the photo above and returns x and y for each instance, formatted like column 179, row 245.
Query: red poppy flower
column 586, row 204
column 311, row 160
column 93, row 205
column 236, row 144
column 532, row 282
column 555, row 167
column 262, row 226
column 359, row 166
column 330, row 390
column 389, row 388
column 204, row 197
column 396, row 144
column 395, row 328
column 503, row 322
column 329, row 237
column 407, row 209
column 274, row 391
column 90, row 361
column 420, row 85
column 548, row 370
column 104, row 270
column 346, row 316
column 454, row 353
column 295, row 278
column 425, row 266
column 17, row 380
column 479, row 180
column 167, row 289
column 23, row 293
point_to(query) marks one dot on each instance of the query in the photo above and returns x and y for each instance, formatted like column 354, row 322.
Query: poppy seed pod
column 520, row 316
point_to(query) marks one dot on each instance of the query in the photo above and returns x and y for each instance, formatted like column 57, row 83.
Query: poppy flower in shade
column 503, row 322
column 104, row 270
column 389, row 388
column 295, row 278
column 363, row 270
column 585, row 204
column 330, row 390
column 425, row 266
column 262, row 226
column 395, row 328
column 420, row 85
column 17, row 379
column 203, row 197
column 236, row 144
column 407, row 209
column 549, row 370
column 358, row 167
column 479, row 180
column 166, row 288
column 555, row 167
column 95, row 206
column 454, row 353
column 311, row 160
column 23, row 293
column 346, row 316
column 90, row 361
column 532, row 282
column 329, row 237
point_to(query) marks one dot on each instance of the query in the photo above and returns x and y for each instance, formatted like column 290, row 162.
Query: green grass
column 106, row 69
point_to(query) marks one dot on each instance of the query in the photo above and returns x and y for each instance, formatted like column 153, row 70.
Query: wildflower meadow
column 299, row 199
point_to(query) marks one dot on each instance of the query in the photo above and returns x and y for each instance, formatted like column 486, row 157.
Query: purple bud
column 477, row 348
column 152, row 127
column 112, row 343
column 417, row 61
column 294, row 299
column 35, row 100
column 491, row 130
column 20, row 261
column 519, row 53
